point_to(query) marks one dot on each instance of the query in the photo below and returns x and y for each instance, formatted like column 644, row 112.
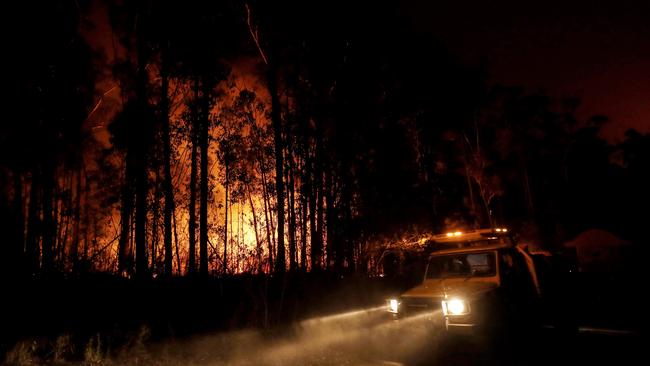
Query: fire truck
column 478, row 282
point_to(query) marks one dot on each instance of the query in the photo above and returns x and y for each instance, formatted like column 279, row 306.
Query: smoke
column 361, row 337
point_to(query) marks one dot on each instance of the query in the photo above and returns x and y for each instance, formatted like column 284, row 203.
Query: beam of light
column 355, row 337
column 606, row 331
column 350, row 338
column 343, row 316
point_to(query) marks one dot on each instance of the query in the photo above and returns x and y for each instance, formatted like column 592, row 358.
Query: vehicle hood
column 451, row 287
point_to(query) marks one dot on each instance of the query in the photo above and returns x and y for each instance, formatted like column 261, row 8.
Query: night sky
column 597, row 51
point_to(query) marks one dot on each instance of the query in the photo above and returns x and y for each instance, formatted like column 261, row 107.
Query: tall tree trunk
column 258, row 243
column 74, row 250
column 125, row 260
column 302, row 206
column 86, row 216
column 203, row 209
column 141, row 188
column 193, row 175
column 332, row 242
column 49, row 229
column 320, row 222
column 34, row 224
column 280, row 263
column 317, row 243
column 167, row 183
column 155, row 208
column 303, row 227
column 291, row 209
column 178, row 255
column 316, row 250
column 350, row 249
column 265, row 197
column 229, row 209
column 225, row 224
column 346, row 250
column 57, row 217
column 240, row 235
column 140, row 144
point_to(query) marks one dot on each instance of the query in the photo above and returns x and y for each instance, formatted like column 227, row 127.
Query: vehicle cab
column 473, row 280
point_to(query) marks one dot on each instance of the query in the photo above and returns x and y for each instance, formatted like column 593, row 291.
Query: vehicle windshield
column 462, row 265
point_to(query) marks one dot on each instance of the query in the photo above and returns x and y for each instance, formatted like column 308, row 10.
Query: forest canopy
column 161, row 138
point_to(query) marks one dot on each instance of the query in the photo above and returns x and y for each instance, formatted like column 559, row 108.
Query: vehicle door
column 517, row 286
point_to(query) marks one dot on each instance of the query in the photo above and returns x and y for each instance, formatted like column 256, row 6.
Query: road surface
column 369, row 337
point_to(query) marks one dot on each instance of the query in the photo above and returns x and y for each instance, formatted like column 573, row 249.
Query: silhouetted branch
column 253, row 32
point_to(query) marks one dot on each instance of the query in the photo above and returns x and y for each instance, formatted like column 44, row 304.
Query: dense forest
column 217, row 138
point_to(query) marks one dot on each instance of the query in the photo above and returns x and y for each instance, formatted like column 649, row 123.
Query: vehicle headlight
column 455, row 307
column 393, row 305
